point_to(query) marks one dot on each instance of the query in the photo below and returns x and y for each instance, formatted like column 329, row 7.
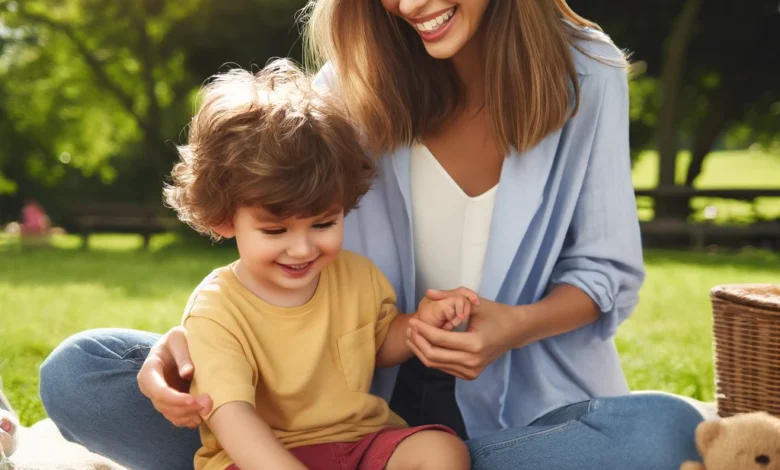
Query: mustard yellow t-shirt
column 306, row 370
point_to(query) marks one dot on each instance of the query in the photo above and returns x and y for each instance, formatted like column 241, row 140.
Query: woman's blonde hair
column 398, row 92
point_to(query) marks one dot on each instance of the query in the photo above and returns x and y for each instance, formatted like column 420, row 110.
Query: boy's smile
column 297, row 270
column 281, row 259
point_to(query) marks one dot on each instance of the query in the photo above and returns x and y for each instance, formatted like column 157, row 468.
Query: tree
column 94, row 78
column 713, row 66
column 737, row 75
column 672, row 76
column 108, row 86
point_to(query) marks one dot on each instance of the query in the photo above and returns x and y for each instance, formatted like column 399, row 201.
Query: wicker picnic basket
column 746, row 346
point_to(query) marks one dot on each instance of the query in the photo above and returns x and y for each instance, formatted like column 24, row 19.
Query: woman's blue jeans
column 89, row 389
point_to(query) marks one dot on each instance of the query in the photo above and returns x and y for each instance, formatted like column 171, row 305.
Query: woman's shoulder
column 594, row 53
column 601, row 68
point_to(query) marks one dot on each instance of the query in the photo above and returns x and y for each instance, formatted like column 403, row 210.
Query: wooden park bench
column 700, row 233
column 682, row 194
column 145, row 220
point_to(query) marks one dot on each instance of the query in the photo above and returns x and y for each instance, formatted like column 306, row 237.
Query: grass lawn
column 47, row 295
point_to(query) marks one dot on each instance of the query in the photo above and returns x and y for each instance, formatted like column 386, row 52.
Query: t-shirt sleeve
column 222, row 370
column 387, row 310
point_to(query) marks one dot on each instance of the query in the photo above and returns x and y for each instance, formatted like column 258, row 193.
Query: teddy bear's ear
column 706, row 433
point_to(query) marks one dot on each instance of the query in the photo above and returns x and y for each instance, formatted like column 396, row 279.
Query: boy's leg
column 430, row 450
column 89, row 389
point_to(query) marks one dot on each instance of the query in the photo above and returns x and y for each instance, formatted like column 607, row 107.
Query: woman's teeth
column 437, row 22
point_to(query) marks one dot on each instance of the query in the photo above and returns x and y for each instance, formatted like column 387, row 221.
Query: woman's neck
column 469, row 66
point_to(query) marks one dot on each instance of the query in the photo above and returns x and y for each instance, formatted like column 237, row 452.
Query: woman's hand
column 493, row 329
column 165, row 378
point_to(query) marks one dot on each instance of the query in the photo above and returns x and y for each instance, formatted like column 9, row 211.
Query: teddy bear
column 741, row 442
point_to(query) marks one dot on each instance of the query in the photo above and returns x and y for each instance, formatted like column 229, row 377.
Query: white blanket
column 42, row 447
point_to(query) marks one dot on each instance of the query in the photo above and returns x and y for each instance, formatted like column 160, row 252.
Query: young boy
column 285, row 340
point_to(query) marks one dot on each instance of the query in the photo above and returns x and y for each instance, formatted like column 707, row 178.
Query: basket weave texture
column 746, row 347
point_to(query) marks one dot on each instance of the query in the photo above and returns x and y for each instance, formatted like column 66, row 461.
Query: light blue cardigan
column 565, row 213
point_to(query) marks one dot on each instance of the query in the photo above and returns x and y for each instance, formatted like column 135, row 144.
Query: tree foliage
column 727, row 89
column 94, row 95
column 106, row 87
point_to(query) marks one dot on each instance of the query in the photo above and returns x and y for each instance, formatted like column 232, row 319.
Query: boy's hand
column 446, row 313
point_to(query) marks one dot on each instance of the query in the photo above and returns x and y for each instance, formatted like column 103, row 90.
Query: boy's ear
column 225, row 230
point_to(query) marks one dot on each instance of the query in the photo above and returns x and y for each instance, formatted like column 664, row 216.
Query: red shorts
column 370, row 453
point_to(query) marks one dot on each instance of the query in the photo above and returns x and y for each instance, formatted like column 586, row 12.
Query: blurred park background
column 95, row 94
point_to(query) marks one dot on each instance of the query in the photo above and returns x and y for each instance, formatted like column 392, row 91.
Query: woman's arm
column 602, row 252
column 248, row 440
column 564, row 309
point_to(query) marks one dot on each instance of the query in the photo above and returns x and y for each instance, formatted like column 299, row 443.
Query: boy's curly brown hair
column 270, row 140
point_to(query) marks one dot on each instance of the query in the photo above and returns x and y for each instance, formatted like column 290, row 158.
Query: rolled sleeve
column 222, row 369
column 602, row 252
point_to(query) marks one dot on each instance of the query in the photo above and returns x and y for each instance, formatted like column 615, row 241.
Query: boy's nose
column 301, row 248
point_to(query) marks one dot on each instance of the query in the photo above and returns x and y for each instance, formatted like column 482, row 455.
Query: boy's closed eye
column 273, row 231
column 324, row 225
column 281, row 230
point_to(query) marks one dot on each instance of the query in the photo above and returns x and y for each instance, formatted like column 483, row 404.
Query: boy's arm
column 446, row 313
column 223, row 371
column 394, row 350
column 248, row 440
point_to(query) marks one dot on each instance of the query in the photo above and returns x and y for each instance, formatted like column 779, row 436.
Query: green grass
column 722, row 170
column 47, row 295
column 667, row 343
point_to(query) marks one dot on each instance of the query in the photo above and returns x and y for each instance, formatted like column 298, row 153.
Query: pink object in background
column 34, row 219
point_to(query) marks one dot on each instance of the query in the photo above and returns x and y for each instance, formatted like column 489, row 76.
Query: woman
column 502, row 132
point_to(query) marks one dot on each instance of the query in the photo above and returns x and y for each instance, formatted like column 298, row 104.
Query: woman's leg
column 89, row 389
column 651, row 431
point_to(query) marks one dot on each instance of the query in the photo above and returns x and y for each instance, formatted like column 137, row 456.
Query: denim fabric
column 89, row 389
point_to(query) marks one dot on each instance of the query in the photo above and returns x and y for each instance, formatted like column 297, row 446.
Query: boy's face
column 281, row 259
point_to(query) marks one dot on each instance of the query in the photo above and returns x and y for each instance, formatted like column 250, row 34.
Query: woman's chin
column 447, row 47
column 441, row 52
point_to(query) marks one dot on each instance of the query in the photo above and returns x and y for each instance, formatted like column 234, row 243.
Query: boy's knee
column 440, row 450
column 458, row 454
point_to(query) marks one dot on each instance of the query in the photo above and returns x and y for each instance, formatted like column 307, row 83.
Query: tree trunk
column 709, row 130
column 156, row 152
column 675, row 52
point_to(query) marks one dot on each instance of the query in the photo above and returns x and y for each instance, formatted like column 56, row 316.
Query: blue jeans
column 89, row 389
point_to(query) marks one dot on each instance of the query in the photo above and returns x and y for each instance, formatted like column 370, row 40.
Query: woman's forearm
column 564, row 309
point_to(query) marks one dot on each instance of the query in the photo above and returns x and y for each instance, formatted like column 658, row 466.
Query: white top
column 450, row 228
